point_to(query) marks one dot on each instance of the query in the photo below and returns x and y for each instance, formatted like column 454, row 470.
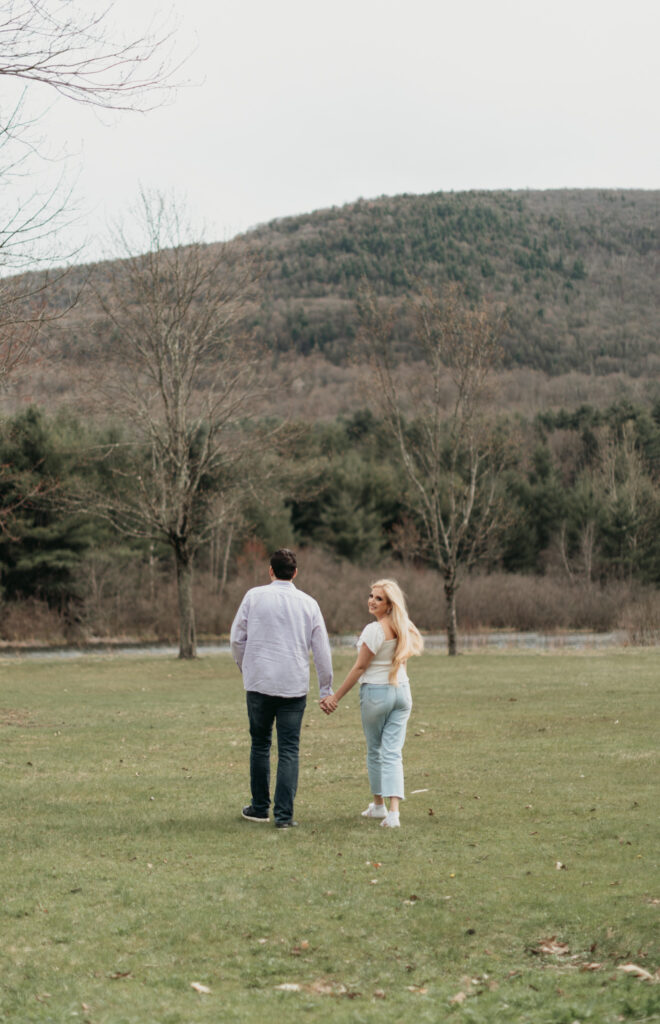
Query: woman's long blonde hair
column 408, row 639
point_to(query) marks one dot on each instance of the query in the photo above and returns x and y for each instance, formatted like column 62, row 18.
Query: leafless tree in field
column 184, row 371
column 451, row 455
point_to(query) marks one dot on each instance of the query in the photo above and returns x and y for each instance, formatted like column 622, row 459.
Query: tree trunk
column 184, row 575
column 225, row 562
column 450, row 597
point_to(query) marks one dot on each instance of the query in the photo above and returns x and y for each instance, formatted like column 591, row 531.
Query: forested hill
column 578, row 268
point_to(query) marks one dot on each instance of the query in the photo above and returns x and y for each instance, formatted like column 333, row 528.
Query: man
column 272, row 634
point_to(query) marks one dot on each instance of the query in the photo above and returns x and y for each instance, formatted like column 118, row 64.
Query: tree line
column 580, row 491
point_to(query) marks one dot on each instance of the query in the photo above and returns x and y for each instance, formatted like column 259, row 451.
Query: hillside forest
column 308, row 458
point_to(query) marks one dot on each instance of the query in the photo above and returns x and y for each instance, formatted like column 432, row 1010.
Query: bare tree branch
column 61, row 45
column 24, row 309
column 451, row 456
column 68, row 47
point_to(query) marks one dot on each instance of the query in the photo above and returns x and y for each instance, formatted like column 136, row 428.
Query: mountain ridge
column 577, row 269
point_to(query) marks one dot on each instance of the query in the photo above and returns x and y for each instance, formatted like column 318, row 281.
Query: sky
column 289, row 106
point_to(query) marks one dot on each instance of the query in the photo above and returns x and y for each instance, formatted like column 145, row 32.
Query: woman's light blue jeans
column 385, row 712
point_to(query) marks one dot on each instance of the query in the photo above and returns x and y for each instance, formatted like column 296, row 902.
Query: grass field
column 525, row 874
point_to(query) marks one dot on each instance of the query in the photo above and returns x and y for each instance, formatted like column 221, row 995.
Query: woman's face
column 378, row 604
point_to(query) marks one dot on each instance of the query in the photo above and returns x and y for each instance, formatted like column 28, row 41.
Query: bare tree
column 451, row 455
column 184, row 371
column 65, row 48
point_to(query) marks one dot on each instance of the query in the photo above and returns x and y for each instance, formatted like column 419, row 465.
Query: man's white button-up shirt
column 272, row 634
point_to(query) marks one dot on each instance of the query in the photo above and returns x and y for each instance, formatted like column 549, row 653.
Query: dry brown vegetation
column 311, row 388
column 134, row 604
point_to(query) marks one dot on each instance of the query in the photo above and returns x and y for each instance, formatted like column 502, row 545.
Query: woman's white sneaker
column 391, row 820
column 375, row 811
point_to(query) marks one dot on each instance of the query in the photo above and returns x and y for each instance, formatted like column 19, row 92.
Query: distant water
column 540, row 641
column 435, row 642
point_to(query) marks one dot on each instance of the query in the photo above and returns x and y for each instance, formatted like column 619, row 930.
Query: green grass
column 127, row 873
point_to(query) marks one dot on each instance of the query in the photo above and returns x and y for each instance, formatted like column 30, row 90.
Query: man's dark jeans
column 287, row 713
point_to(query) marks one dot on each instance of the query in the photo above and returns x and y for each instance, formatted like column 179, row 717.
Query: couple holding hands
column 273, row 632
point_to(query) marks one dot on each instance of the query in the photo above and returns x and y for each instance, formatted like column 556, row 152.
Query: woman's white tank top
column 378, row 671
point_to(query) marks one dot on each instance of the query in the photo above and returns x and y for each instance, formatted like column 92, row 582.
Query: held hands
column 329, row 704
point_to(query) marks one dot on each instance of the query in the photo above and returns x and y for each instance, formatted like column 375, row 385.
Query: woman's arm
column 363, row 660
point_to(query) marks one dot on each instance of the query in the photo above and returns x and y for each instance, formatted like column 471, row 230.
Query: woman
column 385, row 703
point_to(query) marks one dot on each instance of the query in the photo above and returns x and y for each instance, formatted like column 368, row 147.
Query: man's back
column 274, row 630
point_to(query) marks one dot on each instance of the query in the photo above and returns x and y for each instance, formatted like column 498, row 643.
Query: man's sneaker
column 375, row 811
column 250, row 814
column 286, row 824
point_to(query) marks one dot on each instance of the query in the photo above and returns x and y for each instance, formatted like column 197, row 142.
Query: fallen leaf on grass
column 552, row 947
column 637, row 972
column 321, row 987
column 417, row 989
column 120, row 974
column 379, row 994
column 559, row 866
column 419, row 791
column 591, row 967
column 198, row 987
column 459, row 998
column 42, row 998
column 328, row 988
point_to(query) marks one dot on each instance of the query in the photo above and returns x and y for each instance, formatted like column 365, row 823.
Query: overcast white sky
column 298, row 105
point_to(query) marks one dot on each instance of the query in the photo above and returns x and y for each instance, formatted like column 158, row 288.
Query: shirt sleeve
column 238, row 635
column 373, row 636
column 322, row 654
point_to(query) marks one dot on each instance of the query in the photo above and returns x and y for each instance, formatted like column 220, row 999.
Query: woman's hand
column 364, row 659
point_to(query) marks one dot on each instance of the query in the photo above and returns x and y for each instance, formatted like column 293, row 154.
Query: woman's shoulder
column 372, row 635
